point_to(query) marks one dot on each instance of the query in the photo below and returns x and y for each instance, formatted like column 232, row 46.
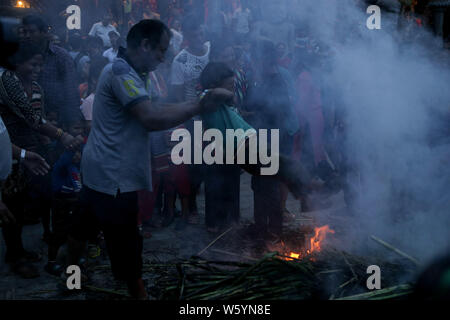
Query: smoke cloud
column 394, row 91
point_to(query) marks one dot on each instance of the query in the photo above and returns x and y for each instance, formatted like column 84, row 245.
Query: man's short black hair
column 35, row 20
column 152, row 30
column 214, row 74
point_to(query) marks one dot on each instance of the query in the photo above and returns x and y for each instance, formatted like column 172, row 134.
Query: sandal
column 25, row 269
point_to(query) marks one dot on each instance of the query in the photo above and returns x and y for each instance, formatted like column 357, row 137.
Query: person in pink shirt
column 309, row 106
column 309, row 143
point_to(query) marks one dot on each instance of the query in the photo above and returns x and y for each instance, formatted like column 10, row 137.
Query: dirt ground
column 164, row 245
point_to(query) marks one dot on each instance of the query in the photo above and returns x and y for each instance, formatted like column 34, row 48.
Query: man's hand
column 36, row 164
column 6, row 216
column 71, row 143
column 215, row 98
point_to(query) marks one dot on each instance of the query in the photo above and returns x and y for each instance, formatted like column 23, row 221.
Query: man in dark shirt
column 58, row 78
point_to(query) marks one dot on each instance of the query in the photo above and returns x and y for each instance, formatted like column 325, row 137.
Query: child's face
column 228, row 84
column 52, row 117
column 77, row 129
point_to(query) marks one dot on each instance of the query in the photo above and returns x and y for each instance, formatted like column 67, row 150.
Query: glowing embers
column 314, row 245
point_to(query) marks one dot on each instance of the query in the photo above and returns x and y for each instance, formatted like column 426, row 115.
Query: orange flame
column 319, row 236
column 315, row 242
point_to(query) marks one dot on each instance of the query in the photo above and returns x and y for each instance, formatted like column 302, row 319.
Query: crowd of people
column 66, row 107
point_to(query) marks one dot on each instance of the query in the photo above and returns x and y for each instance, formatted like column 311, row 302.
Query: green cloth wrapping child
column 218, row 75
column 226, row 117
column 291, row 173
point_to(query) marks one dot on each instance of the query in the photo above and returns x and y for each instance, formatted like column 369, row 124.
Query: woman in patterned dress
column 21, row 107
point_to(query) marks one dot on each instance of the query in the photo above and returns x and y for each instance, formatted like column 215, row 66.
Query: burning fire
column 315, row 243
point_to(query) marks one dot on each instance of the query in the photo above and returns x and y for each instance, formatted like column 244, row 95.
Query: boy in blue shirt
column 66, row 187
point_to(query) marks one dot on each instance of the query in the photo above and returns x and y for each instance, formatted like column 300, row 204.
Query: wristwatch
column 23, row 154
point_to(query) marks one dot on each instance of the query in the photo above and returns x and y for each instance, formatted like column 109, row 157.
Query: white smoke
column 390, row 86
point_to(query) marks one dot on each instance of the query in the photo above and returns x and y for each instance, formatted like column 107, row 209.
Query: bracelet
column 203, row 94
column 59, row 134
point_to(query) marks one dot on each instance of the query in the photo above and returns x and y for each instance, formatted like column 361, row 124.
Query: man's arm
column 19, row 105
column 164, row 116
column 156, row 117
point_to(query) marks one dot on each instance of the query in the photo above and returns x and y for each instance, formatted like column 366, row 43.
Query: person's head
column 263, row 55
column 94, row 47
column 55, row 39
column 147, row 44
column 28, row 62
column 223, row 51
column 75, row 128
column 75, row 42
column 114, row 38
column 34, row 29
column 217, row 75
column 107, row 19
column 176, row 25
column 193, row 31
column 52, row 118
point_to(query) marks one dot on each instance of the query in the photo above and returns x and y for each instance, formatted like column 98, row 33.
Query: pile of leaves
column 330, row 274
